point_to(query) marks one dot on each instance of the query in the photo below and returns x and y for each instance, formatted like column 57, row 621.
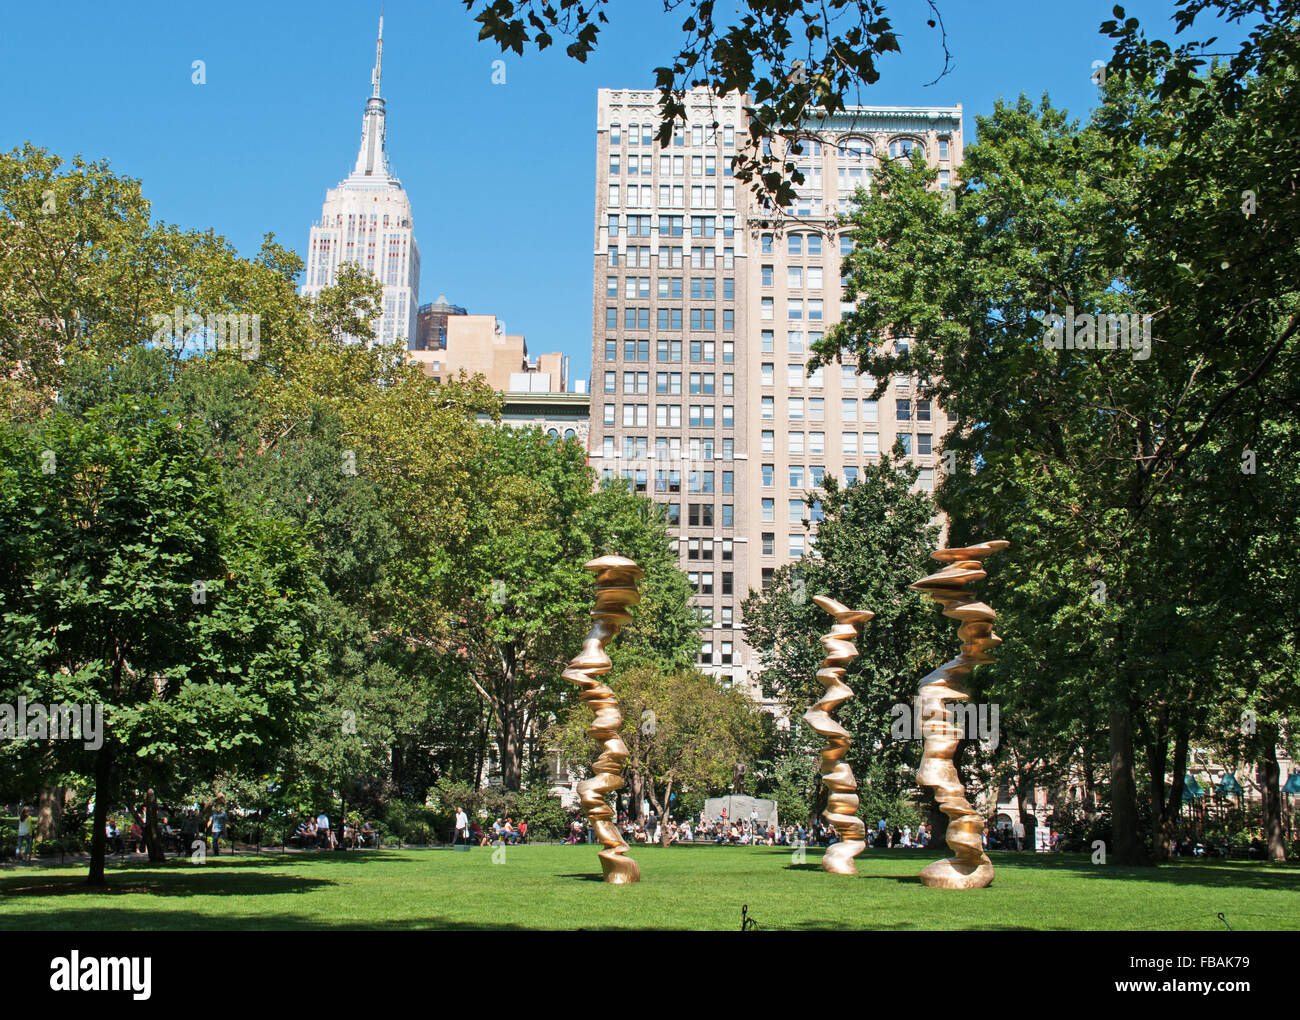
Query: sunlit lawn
column 682, row 887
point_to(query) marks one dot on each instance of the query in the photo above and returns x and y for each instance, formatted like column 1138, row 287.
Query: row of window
column 851, row 409
column 644, row 134
column 669, row 480
column 671, row 196
column 703, row 288
column 816, row 443
column 796, row 277
column 669, row 320
column 640, row 225
column 670, row 383
column 706, row 548
column 667, row 448
column 726, row 619
column 794, row 308
column 798, row 511
column 670, row 257
column 724, row 656
column 850, row 150
column 702, row 582
column 670, row 352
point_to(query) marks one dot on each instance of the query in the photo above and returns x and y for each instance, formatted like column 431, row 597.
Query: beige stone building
column 479, row 345
column 705, row 306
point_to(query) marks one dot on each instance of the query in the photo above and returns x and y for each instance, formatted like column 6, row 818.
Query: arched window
column 569, row 434
column 855, row 150
column 907, row 148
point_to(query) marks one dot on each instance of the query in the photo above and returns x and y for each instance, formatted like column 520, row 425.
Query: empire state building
column 366, row 220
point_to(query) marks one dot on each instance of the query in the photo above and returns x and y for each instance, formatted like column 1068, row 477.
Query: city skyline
column 250, row 151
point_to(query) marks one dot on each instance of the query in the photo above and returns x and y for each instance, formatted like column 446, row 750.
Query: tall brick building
column 704, row 310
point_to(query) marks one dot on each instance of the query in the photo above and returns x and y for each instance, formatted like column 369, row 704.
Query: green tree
column 796, row 61
column 510, row 602
column 684, row 729
column 874, row 539
column 1109, row 471
column 138, row 586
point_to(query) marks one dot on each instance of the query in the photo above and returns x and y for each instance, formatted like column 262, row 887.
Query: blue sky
column 501, row 177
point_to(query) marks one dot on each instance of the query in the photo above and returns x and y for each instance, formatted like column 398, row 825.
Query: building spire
column 372, row 160
column 379, row 57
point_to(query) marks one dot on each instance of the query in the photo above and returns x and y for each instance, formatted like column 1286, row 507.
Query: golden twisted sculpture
column 616, row 581
column 969, row 867
column 842, row 798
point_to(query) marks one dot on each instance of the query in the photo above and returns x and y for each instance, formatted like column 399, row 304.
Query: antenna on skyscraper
column 379, row 56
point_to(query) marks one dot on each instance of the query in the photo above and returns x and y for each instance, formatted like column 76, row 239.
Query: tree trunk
column 1123, row 791
column 1270, row 775
column 50, row 812
column 397, row 763
column 636, row 786
column 152, row 838
column 1157, row 763
column 1175, row 806
column 509, row 747
column 664, row 838
column 98, row 841
column 1028, row 820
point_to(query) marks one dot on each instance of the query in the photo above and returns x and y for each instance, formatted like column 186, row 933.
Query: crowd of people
column 318, row 833
column 501, row 832
column 752, row 831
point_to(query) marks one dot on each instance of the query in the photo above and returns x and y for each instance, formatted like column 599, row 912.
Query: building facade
column 705, row 306
column 431, row 324
column 366, row 220
column 479, row 345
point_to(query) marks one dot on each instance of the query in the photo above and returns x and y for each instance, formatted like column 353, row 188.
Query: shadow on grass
column 1217, row 873
column 101, row 919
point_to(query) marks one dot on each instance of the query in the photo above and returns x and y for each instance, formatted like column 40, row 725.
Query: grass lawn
column 682, row 887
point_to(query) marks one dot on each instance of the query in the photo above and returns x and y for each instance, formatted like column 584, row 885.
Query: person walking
column 217, row 824
column 25, row 835
column 462, row 827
